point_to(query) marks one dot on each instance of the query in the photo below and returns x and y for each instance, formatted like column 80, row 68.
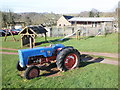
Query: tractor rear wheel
column 67, row 59
column 31, row 72
column 19, row 68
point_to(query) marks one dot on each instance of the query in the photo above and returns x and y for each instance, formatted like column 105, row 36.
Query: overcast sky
column 58, row 6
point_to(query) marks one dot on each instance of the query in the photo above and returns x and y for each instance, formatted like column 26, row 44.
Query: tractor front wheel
column 31, row 72
column 67, row 59
column 19, row 68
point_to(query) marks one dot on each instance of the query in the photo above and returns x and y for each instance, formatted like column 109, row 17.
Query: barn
column 85, row 21
column 91, row 21
column 63, row 21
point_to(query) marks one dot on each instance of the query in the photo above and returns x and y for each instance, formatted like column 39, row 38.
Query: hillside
column 47, row 19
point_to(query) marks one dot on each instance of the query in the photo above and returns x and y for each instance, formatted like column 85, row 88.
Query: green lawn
column 95, row 44
column 94, row 75
column 90, row 75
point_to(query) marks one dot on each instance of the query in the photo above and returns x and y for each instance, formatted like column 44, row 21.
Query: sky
column 58, row 6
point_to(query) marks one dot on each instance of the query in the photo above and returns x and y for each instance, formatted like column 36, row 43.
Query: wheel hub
column 70, row 61
column 33, row 73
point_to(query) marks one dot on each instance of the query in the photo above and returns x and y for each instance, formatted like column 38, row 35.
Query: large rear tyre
column 19, row 68
column 67, row 59
column 31, row 72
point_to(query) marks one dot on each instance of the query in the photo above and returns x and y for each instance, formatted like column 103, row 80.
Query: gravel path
column 9, row 49
column 12, row 53
column 113, row 55
column 88, row 59
column 101, row 60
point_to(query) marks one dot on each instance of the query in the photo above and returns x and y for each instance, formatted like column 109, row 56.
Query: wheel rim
column 70, row 61
column 33, row 73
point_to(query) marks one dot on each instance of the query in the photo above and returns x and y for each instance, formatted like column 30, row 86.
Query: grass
column 107, row 44
column 90, row 75
column 0, row 67
column 4, row 50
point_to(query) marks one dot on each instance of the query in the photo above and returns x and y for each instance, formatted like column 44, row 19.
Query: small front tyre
column 31, row 72
column 19, row 68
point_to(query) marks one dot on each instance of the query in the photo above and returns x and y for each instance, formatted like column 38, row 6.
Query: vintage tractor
column 66, row 58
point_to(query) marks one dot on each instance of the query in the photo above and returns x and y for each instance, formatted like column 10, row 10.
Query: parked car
column 7, row 31
column 15, row 31
column 2, row 33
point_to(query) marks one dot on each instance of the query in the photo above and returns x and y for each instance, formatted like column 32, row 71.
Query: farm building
column 63, row 21
column 85, row 21
column 91, row 21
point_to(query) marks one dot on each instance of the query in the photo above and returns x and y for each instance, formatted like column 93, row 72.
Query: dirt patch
column 55, row 75
column 45, row 71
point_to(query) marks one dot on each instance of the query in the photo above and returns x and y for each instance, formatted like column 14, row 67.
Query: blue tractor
column 66, row 58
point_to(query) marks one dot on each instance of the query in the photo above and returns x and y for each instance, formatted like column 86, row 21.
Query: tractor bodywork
column 38, row 55
column 31, row 60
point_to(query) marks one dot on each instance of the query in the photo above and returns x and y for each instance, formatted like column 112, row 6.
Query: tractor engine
column 35, row 60
column 40, row 60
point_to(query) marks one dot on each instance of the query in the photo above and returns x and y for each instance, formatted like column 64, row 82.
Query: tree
column 94, row 13
column 28, row 20
column 98, row 14
column 7, row 18
column 1, row 19
column 91, row 14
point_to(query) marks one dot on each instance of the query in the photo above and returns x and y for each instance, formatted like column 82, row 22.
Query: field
column 91, row 75
column 88, row 75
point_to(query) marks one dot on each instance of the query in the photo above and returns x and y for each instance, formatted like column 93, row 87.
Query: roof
column 34, row 29
column 67, row 17
column 92, row 19
column 38, row 29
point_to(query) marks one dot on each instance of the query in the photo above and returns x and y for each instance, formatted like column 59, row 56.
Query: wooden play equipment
column 11, row 25
column 11, row 35
column 29, row 33
column 78, row 34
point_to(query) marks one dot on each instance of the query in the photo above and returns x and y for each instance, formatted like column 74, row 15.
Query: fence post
column 51, row 28
column 104, row 29
column 64, row 31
